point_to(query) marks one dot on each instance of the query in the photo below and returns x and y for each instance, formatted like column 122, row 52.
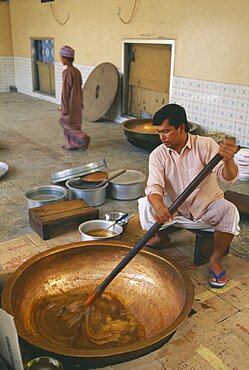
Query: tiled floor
column 216, row 336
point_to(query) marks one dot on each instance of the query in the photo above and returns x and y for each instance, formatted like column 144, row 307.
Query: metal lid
column 78, row 171
column 129, row 177
column 99, row 91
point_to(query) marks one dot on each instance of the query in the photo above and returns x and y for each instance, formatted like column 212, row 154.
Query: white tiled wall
column 214, row 106
column 7, row 74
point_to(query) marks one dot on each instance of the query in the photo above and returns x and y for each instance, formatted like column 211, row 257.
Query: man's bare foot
column 160, row 240
column 218, row 277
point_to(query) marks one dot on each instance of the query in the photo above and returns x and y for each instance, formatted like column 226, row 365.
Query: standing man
column 172, row 166
column 72, row 103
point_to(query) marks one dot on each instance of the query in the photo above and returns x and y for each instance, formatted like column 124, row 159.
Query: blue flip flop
column 216, row 284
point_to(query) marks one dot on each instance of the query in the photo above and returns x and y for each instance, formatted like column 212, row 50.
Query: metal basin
column 141, row 132
column 90, row 225
column 46, row 194
column 150, row 285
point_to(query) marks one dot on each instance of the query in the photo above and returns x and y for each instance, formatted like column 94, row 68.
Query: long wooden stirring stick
column 174, row 206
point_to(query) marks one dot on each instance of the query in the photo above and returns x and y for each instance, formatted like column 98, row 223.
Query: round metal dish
column 78, row 171
column 3, row 168
column 114, row 216
column 46, row 194
column 99, row 224
column 141, row 132
column 150, row 285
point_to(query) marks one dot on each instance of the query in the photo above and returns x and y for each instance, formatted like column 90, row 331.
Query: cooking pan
column 141, row 132
column 151, row 286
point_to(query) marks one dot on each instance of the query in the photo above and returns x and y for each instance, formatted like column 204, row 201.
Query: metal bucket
column 128, row 186
column 94, row 196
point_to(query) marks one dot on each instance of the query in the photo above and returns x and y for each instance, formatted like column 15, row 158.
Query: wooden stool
column 204, row 244
column 41, row 218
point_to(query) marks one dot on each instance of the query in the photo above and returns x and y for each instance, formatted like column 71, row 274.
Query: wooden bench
column 42, row 218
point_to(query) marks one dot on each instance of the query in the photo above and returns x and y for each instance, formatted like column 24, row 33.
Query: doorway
column 43, row 66
column 147, row 76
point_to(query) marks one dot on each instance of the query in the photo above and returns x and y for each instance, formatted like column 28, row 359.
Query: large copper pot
column 157, row 291
column 141, row 132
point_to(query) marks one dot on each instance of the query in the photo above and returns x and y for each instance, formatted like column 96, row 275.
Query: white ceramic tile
column 245, row 142
column 207, row 86
column 233, row 90
column 241, row 117
column 223, row 102
column 230, row 128
column 176, row 82
column 246, row 131
column 224, row 88
column 242, row 104
column 232, row 115
column 239, row 129
column 7, row 75
column 199, row 85
column 243, row 91
column 232, row 103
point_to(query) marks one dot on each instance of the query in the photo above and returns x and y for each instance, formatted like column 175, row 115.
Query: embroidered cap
column 66, row 51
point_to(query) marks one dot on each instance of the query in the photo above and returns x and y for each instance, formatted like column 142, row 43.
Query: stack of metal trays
column 78, row 171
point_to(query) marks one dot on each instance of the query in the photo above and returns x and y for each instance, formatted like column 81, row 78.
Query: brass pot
column 151, row 285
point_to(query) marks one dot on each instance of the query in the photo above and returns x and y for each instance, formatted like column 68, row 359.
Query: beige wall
column 5, row 31
column 212, row 36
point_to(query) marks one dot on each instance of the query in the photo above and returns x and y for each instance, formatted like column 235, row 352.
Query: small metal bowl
column 40, row 363
column 87, row 226
column 114, row 216
column 46, row 194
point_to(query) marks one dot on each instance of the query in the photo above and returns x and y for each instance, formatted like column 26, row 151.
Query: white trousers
column 221, row 215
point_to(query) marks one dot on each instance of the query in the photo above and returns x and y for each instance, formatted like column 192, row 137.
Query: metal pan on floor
column 3, row 168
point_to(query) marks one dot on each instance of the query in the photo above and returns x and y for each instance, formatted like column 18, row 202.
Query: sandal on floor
column 216, row 284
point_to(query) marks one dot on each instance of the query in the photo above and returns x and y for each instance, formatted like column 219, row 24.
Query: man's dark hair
column 172, row 112
column 70, row 59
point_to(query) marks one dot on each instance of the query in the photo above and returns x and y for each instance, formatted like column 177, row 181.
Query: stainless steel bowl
column 114, row 216
column 93, row 196
column 46, row 194
column 99, row 224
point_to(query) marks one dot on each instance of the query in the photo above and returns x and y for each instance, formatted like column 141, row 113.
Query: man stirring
column 172, row 166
